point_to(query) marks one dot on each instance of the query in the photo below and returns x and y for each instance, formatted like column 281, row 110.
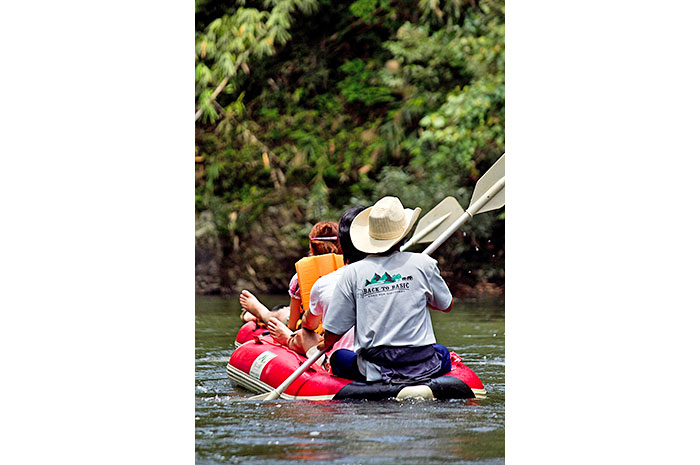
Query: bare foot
column 279, row 332
column 254, row 306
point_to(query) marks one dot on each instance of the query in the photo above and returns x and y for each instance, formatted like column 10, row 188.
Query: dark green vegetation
column 306, row 107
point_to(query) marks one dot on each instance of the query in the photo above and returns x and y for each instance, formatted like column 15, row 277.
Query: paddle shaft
column 275, row 394
column 467, row 215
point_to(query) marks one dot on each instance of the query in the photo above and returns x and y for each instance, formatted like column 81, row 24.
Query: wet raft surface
column 333, row 432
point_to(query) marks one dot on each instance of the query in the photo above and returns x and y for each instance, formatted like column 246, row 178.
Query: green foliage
column 227, row 44
column 453, row 77
column 359, row 85
column 363, row 8
column 326, row 105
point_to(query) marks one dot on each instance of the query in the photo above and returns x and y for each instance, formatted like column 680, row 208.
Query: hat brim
column 359, row 232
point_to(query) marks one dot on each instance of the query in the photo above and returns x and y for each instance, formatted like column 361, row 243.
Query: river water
column 229, row 429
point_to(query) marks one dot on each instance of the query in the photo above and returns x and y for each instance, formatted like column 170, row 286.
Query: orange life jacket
column 309, row 269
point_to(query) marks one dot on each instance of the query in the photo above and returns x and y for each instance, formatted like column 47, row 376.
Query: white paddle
column 489, row 194
column 435, row 222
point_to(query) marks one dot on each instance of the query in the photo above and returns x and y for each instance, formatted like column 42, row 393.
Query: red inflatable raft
column 249, row 332
column 259, row 364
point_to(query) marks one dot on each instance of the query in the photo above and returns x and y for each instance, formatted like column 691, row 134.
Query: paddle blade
column 444, row 214
column 491, row 177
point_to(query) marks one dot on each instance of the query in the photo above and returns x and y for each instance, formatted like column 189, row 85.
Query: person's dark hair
column 350, row 253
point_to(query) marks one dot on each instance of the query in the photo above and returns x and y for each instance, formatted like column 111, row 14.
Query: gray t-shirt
column 386, row 298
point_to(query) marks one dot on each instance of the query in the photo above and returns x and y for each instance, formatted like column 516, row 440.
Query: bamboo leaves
column 228, row 43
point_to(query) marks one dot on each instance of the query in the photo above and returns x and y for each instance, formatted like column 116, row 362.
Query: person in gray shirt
column 387, row 297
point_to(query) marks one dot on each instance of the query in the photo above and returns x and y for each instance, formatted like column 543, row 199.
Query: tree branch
column 213, row 96
column 241, row 61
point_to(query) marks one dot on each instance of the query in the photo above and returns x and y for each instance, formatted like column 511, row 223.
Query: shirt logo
column 387, row 278
column 385, row 284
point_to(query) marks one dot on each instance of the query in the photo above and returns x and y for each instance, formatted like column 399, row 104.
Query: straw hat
column 379, row 227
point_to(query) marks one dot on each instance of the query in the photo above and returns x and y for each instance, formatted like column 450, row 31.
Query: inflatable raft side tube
column 244, row 380
column 359, row 391
column 248, row 332
column 449, row 387
column 444, row 387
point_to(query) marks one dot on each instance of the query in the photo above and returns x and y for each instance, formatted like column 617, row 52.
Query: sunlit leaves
column 444, row 11
column 363, row 8
column 231, row 41
column 209, row 112
column 202, row 74
column 225, row 64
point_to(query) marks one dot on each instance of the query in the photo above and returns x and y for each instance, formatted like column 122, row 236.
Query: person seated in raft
column 323, row 239
column 321, row 293
column 387, row 297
